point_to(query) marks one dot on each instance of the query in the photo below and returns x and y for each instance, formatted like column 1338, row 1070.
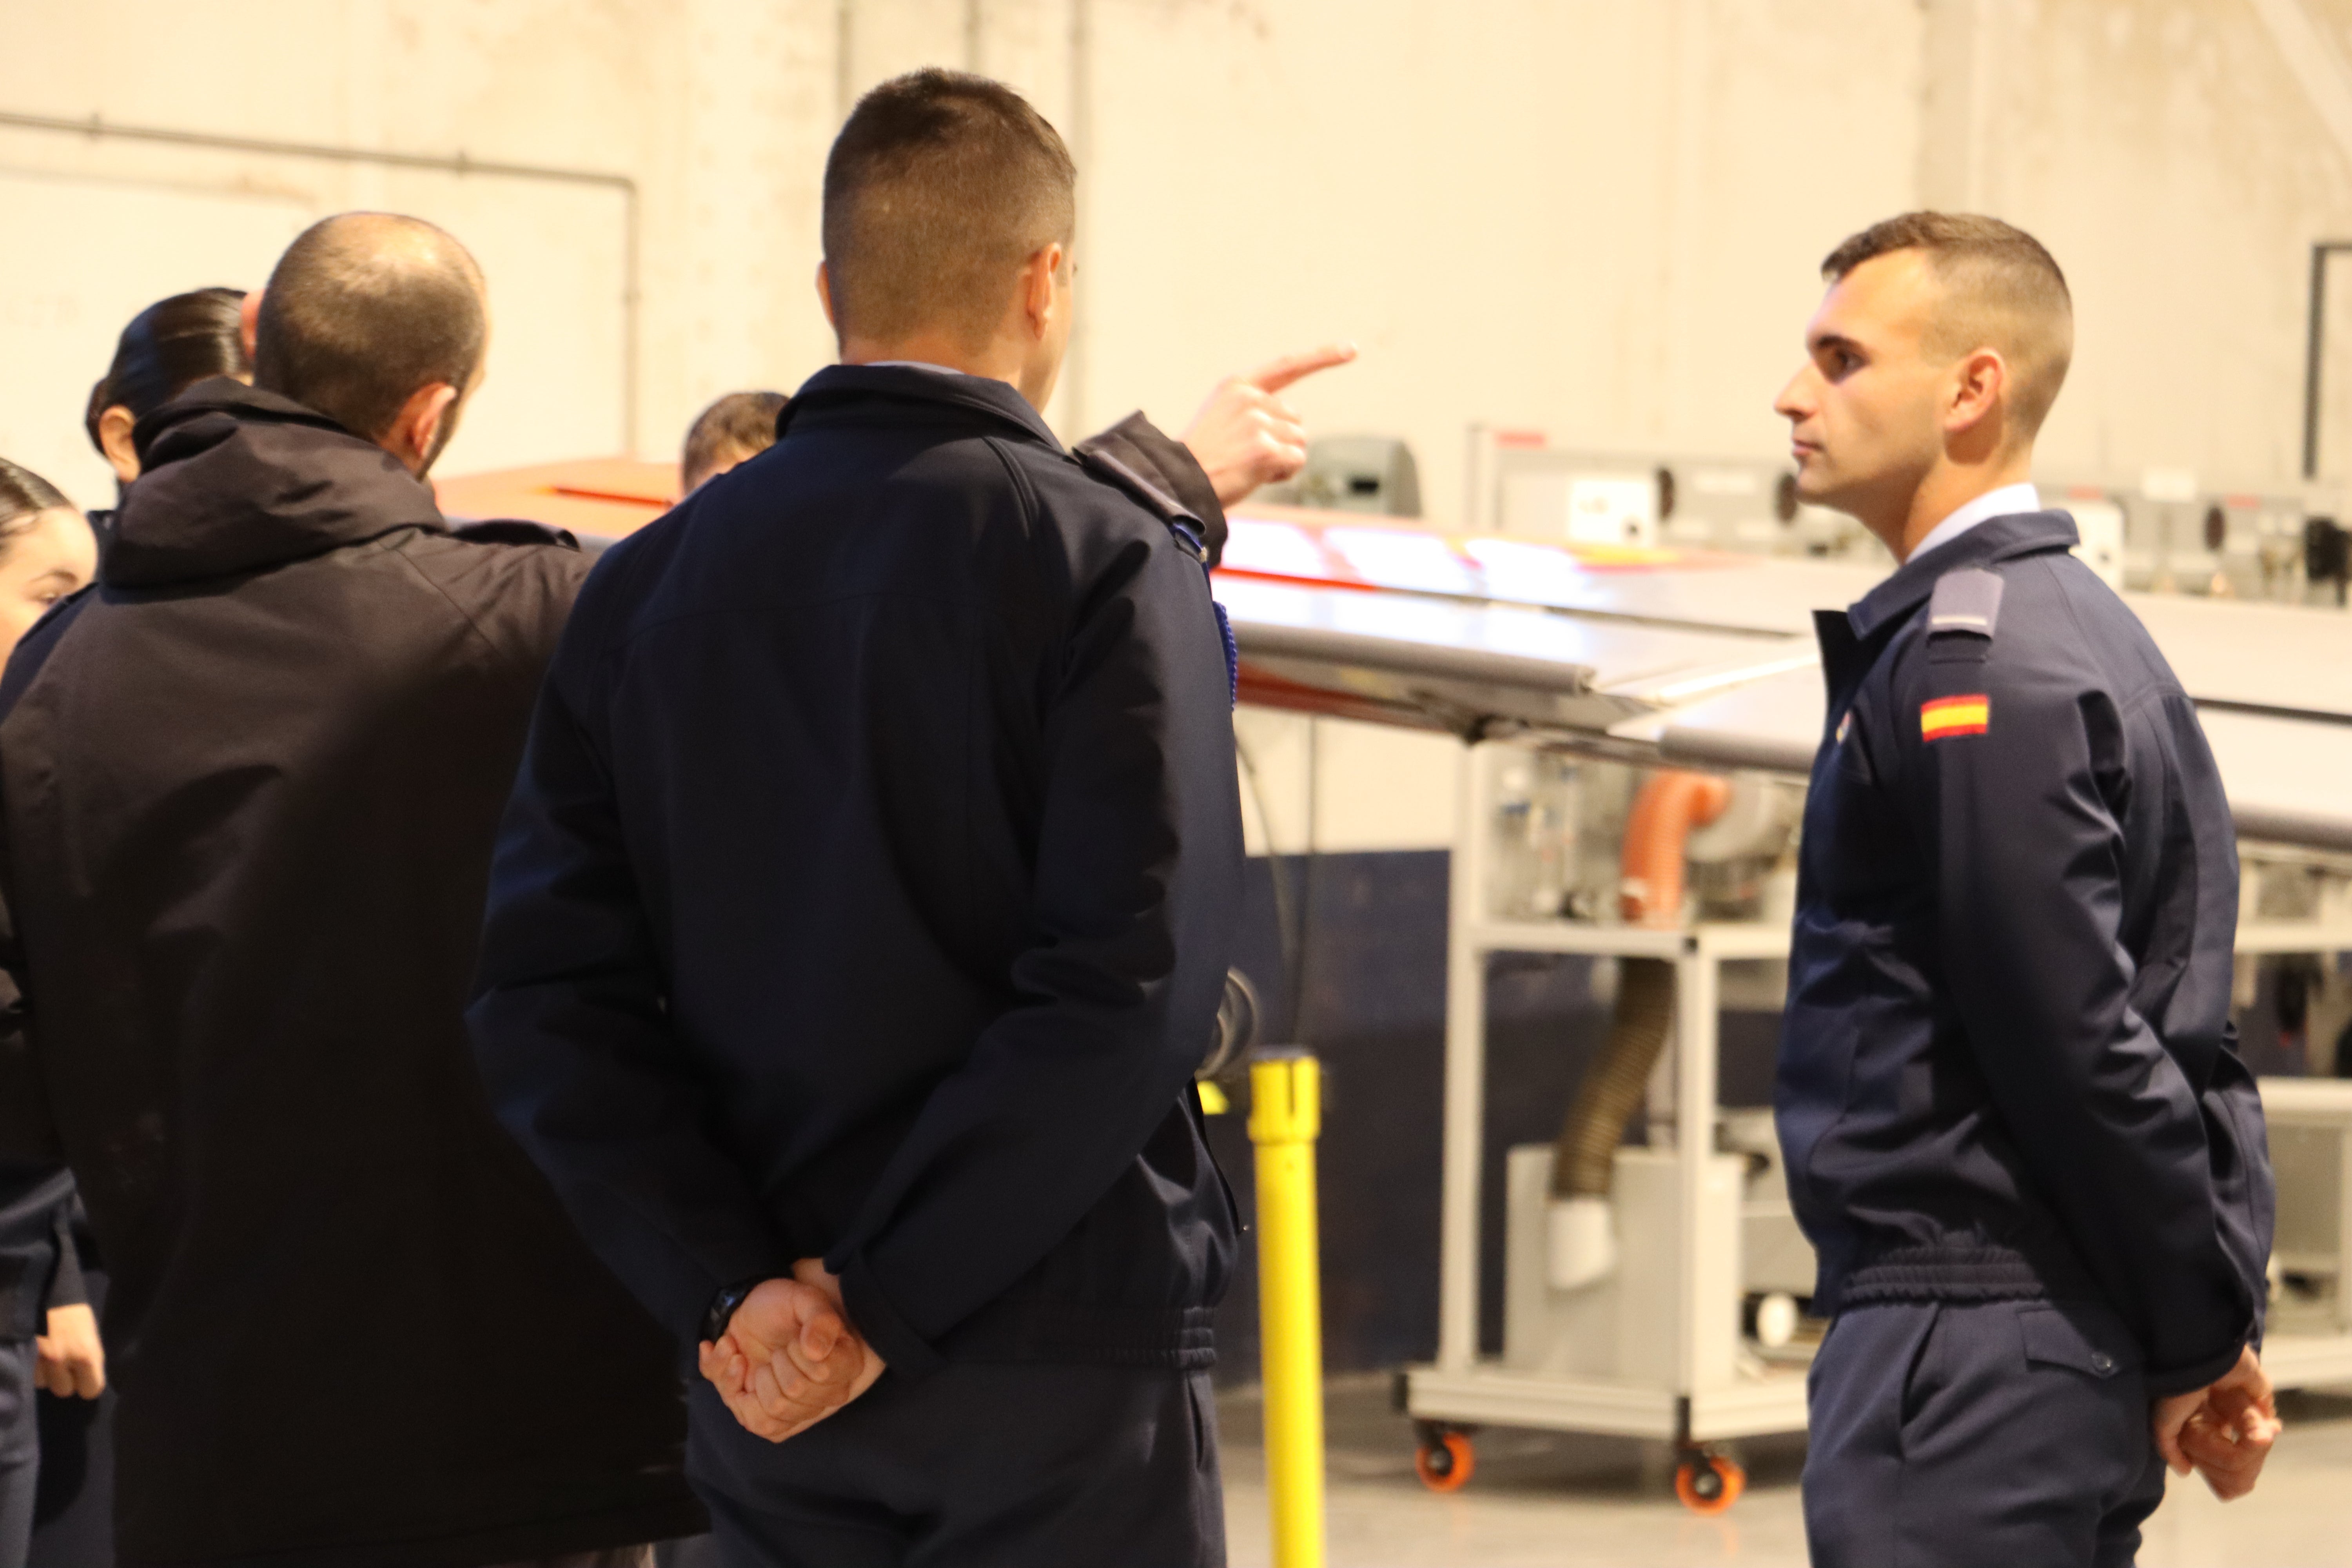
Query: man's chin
column 1816, row 489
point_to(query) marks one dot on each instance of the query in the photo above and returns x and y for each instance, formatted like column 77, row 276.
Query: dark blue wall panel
column 1374, row 1011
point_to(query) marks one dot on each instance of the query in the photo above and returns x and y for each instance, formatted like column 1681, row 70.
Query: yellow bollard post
column 1285, row 1115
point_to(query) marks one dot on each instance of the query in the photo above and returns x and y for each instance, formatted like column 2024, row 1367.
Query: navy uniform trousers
column 1023, row 1466
column 1967, row 1433
column 20, row 1451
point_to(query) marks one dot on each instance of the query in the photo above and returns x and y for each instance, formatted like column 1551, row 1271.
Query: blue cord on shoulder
column 1232, row 654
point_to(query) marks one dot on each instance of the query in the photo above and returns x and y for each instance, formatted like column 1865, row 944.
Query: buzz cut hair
column 940, row 184
column 2002, row 289
column 362, row 311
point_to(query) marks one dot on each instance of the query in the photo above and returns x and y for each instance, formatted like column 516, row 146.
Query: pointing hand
column 1244, row 436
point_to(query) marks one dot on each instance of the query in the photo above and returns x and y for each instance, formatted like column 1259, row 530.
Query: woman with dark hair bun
column 167, row 348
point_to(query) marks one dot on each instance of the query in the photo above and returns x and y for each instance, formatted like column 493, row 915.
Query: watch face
column 724, row 1304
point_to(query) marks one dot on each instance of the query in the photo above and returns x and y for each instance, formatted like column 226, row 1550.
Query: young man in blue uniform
column 864, row 907
column 2015, row 1124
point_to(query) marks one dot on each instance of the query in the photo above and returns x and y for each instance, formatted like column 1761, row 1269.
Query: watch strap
column 723, row 1306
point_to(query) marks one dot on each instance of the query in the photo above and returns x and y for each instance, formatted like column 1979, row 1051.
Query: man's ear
column 414, row 428
column 824, row 295
column 1038, row 276
column 1978, row 388
column 1977, row 403
column 248, row 323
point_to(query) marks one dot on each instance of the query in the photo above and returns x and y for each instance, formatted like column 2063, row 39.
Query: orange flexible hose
column 1651, row 893
column 1656, row 831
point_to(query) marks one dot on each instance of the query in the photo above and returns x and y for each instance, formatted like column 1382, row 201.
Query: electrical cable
column 1296, row 1033
column 1292, row 938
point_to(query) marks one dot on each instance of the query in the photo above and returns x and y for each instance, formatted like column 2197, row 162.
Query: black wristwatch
column 721, row 1310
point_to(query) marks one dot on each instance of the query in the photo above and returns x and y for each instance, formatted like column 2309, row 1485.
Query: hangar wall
column 1595, row 220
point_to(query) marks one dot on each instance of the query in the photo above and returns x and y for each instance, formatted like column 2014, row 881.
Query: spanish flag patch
column 1955, row 716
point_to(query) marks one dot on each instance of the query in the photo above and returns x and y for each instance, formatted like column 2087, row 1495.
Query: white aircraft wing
column 1709, row 660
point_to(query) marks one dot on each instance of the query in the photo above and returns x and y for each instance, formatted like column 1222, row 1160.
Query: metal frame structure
column 1460, row 1387
column 2294, row 1355
column 2314, row 323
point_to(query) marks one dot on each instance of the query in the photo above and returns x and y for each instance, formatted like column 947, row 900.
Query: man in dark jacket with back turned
column 251, row 781
column 864, row 908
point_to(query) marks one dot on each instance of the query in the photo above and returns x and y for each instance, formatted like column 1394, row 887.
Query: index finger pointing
column 1275, row 375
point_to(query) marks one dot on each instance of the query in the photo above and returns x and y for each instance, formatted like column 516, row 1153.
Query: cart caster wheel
column 1444, row 1461
column 1710, row 1483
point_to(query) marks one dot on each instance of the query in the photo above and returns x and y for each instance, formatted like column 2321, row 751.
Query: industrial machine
column 2244, row 543
column 2163, row 532
column 1521, row 486
column 1360, row 473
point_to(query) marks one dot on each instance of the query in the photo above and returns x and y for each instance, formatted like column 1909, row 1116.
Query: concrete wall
column 1594, row 218
column 2180, row 170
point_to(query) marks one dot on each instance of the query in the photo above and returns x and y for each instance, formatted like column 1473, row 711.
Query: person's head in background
column 46, row 551
column 949, row 205
column 1930, row 366
column 739, row 426
column 167, row 348
column 380, row 322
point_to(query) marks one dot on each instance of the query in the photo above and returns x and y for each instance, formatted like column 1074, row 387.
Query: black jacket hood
column 237, row 478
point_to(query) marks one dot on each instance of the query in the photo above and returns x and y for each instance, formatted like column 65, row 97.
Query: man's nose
column 1793, row 403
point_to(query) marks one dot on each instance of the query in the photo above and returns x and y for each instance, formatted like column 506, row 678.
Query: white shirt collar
column 913, row 364
column 2006, row 501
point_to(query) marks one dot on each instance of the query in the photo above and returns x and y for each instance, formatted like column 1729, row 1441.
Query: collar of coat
column 840, row 388
column 1995, row 540
column 238, row 479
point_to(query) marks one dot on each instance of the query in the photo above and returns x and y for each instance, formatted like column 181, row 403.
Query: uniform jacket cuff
column 1145, row 447
column 2197, row 1374
column 872, row 1315
column 67, row 1286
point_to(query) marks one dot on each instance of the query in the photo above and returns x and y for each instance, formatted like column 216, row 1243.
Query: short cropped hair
column 938, row 188
column 739, row 426
column 2002, row 289
column 362, row 310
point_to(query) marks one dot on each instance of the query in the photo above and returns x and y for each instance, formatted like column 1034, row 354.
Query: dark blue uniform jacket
column 868, row 888
column 2008, row 1068
column 39, row 1265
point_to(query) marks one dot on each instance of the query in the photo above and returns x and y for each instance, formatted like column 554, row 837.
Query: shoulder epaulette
column 1966, row 601
column 1178, row 517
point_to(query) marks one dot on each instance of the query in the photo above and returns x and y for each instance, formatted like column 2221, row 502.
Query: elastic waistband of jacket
column 1959, row 1274
column 1182, row 1338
